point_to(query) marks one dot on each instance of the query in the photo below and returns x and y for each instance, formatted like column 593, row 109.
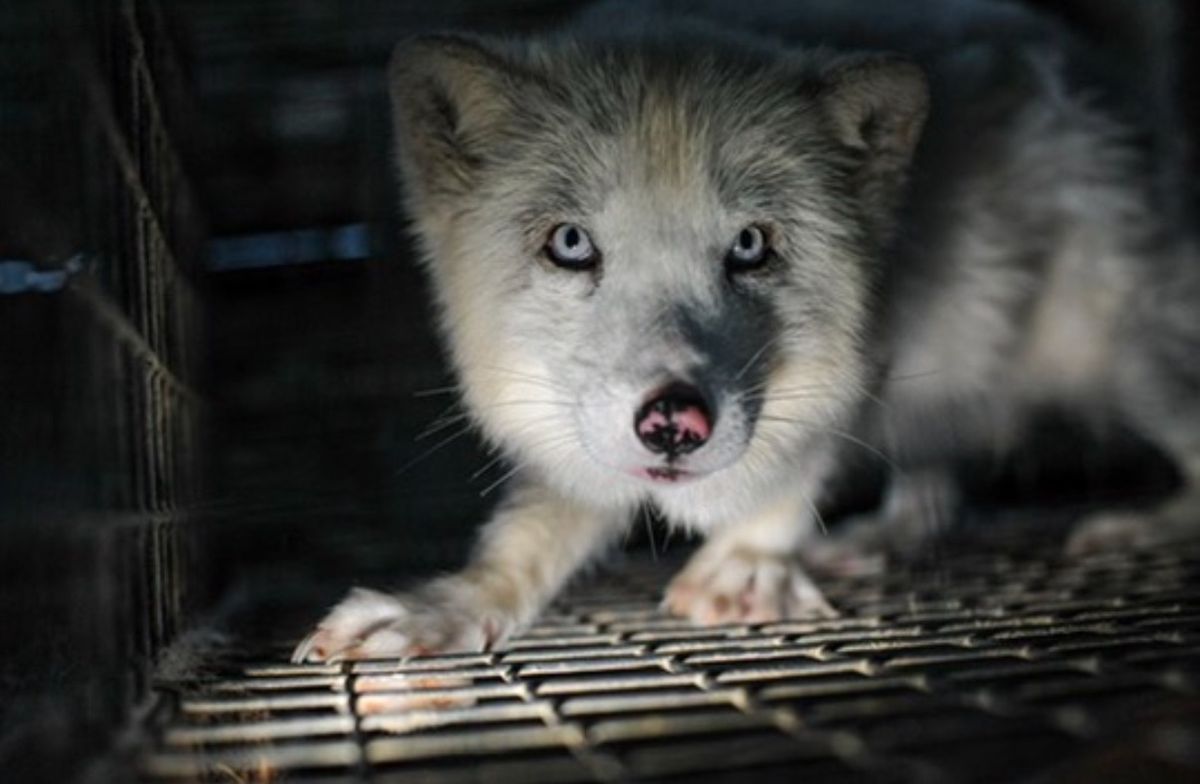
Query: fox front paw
column 744, row 587
column 371, row 625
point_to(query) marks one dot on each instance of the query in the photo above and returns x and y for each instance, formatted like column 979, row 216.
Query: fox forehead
column 666, row 146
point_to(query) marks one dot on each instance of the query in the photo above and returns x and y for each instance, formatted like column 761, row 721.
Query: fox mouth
column 666, row 475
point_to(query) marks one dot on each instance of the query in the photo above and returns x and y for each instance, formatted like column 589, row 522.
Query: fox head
column 654, row 266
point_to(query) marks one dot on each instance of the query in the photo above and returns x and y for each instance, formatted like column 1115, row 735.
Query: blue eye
column 749, row 249
column 570, row 247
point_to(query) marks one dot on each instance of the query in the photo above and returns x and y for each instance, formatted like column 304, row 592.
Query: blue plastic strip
column 19, row 276
column 282, row 248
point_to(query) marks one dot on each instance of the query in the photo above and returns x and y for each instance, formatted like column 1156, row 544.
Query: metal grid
column 137, row 297
column 986, row 666
column 101, row 329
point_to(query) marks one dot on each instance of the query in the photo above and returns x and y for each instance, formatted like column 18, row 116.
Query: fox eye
column 571, row 248
column 749, row 250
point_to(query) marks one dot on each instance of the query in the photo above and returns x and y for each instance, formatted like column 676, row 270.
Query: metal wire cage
column 180, row 411
column 101, row 320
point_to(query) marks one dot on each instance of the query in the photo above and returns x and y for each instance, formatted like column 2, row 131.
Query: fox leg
column 532, row 546
column 1157, row 379
column 918, row 506
column 1175, row 519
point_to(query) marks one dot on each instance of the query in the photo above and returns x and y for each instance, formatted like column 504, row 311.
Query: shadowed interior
column 224, row 403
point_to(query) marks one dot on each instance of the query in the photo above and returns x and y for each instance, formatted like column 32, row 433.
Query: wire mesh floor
column 999, row 665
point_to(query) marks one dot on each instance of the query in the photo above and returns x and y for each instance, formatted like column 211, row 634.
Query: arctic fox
column 687, row 273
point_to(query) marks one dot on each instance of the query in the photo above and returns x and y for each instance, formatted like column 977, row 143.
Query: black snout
column 675, row 420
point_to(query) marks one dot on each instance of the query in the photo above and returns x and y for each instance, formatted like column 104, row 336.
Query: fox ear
column 877, row 107
column 878, row 104
column 453, row 103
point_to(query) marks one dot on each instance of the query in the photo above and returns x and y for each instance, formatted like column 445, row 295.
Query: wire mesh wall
column 101, row 316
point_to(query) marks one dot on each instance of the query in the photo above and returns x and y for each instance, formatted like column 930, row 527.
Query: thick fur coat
column 772, row 254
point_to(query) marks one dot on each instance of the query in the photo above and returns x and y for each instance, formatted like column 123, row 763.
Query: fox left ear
column 877, row 105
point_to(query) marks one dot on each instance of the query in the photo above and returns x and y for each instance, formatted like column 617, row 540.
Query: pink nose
column 674, row 421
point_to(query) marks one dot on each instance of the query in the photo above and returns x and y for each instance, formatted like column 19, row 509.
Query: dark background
column 216, row 359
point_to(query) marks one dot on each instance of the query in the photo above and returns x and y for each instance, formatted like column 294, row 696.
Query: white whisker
column 754, row 358
column 435, row 448
column 436, row 391
column 853, row 439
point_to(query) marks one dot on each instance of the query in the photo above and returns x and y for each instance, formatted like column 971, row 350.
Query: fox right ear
column 453, row 101
column 877, row 105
